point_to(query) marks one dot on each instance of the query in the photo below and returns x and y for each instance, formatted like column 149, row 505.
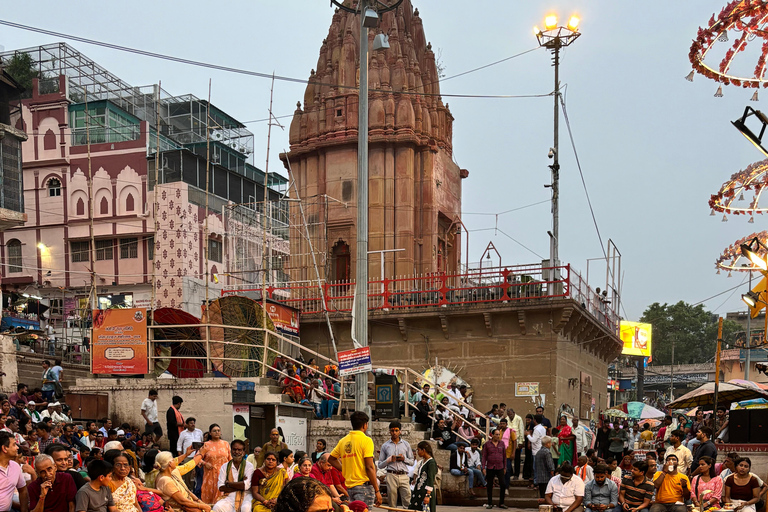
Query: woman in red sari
column 567, row 442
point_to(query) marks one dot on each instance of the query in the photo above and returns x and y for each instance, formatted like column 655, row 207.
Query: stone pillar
column 8, row 365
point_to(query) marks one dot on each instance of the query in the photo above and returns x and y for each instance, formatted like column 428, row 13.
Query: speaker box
column 738, row 426
column 758, row 425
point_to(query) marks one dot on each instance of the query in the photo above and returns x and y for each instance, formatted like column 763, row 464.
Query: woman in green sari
column 268, row 481
column 424, row 479
column 567, row 442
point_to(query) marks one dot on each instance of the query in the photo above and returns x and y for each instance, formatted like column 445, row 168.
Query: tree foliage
column 22, row 69
column 692, row 329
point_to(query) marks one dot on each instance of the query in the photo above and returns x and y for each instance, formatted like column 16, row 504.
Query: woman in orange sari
column 215, row 454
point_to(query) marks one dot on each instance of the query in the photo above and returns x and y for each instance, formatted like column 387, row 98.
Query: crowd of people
column 50, row 463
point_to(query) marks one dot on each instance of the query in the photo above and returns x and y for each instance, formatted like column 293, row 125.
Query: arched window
column 49, row 140
column 54, row 187
column 14, row 256
column 104, row 206
column 129, row 206
column 80, row 207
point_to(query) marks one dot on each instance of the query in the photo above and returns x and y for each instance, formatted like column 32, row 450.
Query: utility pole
column 748, row 359
column 360, row 318
column 369, row 12
column 671, row 377
column 555, row 37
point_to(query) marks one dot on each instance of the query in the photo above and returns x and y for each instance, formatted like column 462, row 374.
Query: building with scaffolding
column 133, row 193
column 11, row 138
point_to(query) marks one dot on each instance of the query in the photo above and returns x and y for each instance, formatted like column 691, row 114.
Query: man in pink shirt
column 11, row 477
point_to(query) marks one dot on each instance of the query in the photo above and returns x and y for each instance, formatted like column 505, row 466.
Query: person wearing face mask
column 566, row 490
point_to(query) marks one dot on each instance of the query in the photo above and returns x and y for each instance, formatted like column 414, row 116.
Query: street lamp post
column 369, row 18
column 555, row 37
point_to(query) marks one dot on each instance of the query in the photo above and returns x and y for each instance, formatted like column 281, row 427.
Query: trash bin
column 387, row 396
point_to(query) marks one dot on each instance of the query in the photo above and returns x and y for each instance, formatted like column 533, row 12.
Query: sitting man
column 235, row 482
column 636, row 490
column 460, row 467
column 584, row 470
column 672, row 488
column 565, row 490
column 292, row 387
column 601, row 494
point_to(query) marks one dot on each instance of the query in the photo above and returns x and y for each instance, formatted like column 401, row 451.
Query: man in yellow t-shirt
column 646, row 434
column 672, row 488
column 353, row 456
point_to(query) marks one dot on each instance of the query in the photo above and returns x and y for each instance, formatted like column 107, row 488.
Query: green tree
column 692, row 329
column 22, row 69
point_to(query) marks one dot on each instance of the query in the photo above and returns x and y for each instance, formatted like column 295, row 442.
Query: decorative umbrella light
column 746, row 21
column 732, row 258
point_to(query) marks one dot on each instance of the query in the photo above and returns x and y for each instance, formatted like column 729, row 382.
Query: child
column 95, row 496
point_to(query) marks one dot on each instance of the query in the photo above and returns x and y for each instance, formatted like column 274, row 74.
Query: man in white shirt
column 48, row 413
column 235, row 482
column 474, row 462
column 583, row 437
column 58, row 416
column 190, row 435
column 535, row 436
column 679, row 450
column 565, row 490
column 149, row 413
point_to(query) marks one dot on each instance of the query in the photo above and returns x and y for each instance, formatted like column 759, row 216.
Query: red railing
column 476, row 286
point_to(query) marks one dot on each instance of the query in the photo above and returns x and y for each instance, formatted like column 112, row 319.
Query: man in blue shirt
column 601, row 494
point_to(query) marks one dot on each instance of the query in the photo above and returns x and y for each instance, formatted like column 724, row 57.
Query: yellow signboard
column 636, row 338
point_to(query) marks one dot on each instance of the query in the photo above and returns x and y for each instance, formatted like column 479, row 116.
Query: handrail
column 433, row 415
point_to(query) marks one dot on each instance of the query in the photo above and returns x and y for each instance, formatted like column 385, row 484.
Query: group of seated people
column 121, row 481
column 648, row 488
column 304, row 384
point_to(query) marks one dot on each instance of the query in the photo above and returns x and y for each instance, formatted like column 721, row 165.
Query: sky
column 653, row 147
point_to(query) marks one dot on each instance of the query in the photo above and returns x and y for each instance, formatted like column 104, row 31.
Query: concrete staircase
column 30, row 371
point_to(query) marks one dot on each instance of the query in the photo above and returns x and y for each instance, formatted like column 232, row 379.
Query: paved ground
column 478, row 508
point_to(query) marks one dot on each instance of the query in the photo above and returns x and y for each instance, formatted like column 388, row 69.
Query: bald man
column 273, row 446
column 325, row 473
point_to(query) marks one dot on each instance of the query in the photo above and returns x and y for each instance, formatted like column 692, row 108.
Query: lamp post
column 369, row 12
column 554, row 37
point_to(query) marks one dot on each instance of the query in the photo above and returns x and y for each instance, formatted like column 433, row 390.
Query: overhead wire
column 240, row 71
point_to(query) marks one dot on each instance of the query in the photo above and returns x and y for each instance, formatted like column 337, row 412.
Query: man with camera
column 191, row 437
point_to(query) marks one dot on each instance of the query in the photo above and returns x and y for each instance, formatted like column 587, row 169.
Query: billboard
column 285, row 318
column 636, row 338
column 119, row 343
column 352, row 362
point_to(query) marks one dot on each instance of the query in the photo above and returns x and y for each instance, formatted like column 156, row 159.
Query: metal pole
column 717, row 366
column 671, row 366
column 553, row 257
column 748, row 361
column 208, row 369
column 361, row 267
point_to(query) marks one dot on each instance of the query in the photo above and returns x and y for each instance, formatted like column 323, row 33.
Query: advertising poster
column 294, row 432
column 285, row 318
column 636, row 338
column 241, row 416
column 119, row 344
column 355, row 361
column 526, row 388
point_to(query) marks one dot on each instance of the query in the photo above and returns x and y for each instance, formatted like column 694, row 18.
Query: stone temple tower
column 414, row 184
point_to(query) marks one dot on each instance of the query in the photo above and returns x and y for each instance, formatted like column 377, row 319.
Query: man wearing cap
column 57, row 416
column 175, row 422
column 32, row 412
column 48, row 412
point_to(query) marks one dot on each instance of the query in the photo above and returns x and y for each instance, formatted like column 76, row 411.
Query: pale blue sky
column 653, row 146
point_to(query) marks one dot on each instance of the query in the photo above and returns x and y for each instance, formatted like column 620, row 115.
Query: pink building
column 51, row 255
